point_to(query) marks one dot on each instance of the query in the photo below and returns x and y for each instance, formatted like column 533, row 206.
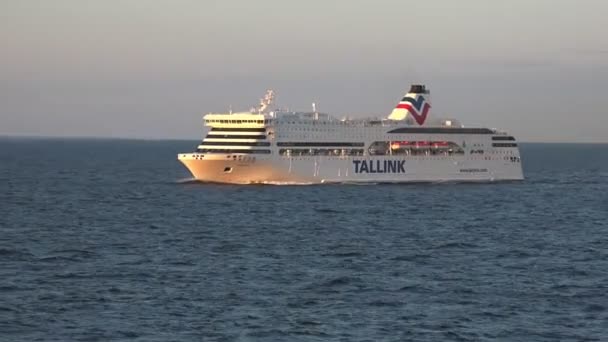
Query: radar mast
column 265, row 102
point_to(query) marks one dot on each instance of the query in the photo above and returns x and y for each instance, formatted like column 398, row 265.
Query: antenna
column 314, row 107
column 266, row 101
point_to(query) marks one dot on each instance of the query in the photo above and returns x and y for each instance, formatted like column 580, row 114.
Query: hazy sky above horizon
column 150, row 69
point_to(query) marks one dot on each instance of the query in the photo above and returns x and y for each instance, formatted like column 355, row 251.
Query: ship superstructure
column 262, row 146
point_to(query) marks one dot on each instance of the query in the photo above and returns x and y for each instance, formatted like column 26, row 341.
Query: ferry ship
column 286, row 147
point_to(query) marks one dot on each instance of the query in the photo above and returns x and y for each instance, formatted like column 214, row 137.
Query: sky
column 150, row 69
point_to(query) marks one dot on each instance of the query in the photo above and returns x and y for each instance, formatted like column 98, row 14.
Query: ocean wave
column 285, row 183
column 187, row 181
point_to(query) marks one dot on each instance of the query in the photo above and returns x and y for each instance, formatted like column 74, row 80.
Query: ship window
column 230, row 151
column 320, row 144
column 297, row 152
column 415, row 148
column 235, row 136
column 442, row 130
column 503, row 138
column 379, row 148
column 235, row 143
column 238, row 129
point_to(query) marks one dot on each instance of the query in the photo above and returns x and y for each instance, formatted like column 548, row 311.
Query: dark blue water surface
column 103, row 240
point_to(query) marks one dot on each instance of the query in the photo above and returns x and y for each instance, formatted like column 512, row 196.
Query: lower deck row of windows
column 321, row 152
column 442, row 130
column 414, row 148
column 235, row 143
column 238, row 129
column 504, row 145
column 319, row 144
column 229, row 151
column 236, row 136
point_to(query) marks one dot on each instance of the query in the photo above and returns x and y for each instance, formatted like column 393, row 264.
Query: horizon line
column 4, row 136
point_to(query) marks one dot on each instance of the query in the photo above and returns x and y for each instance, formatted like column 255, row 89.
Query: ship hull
column 318, row 170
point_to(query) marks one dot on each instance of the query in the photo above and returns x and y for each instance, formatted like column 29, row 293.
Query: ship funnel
column 415, row 105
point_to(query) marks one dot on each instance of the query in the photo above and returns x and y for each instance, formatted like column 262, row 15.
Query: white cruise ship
column 284, row 147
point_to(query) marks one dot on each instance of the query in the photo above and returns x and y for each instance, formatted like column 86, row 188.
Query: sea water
column 110, row 240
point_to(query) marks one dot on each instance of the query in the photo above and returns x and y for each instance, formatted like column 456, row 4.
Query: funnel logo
column 419, row 108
